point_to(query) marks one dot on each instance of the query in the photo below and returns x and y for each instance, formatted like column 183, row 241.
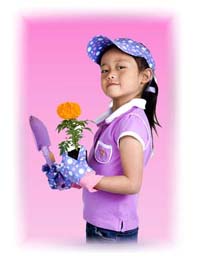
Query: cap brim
column 97, row 46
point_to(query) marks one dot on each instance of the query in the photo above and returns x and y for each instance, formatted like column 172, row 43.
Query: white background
column 185, row 247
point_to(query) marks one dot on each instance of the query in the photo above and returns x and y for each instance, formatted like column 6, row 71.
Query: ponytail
column 150, row 96
column 150, row 108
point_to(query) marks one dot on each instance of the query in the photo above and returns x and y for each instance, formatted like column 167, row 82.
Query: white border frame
column 186, row 246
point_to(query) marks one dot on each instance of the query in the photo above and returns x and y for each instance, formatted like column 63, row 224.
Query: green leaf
column 88, row 129
column 74, row 133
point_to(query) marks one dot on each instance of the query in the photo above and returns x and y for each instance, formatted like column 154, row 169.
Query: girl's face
column 120, row 77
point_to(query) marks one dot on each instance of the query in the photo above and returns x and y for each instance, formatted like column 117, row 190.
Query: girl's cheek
column 103, row 85
column 103, row 79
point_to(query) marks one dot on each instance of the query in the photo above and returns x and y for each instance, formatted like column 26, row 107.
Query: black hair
column 151, row 98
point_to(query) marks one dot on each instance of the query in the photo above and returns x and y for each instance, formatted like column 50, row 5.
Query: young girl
column 112, row 177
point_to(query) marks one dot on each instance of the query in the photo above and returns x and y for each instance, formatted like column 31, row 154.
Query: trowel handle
column 48, row 155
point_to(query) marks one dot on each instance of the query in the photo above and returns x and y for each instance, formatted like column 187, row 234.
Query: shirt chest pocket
column 103, row 152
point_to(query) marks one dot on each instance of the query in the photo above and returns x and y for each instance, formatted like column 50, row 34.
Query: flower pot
column 73, row 153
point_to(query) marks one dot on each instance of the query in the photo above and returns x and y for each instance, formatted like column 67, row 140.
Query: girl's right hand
column 55, row 179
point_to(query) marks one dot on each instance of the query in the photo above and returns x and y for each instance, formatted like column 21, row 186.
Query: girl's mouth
column 112, row 84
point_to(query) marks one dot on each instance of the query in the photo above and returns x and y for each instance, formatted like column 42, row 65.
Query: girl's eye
column 121, row 67
column 118, row 67
column 104, row 71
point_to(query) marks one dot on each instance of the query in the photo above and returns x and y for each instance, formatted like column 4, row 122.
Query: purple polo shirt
column 110, row 210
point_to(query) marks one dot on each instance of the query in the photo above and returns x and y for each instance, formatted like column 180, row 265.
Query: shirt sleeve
column 135, row 126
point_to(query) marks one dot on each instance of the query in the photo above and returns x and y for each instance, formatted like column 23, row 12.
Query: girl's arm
column 131, row 153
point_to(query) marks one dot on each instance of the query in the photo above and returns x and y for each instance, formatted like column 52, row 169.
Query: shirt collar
column 109, row 116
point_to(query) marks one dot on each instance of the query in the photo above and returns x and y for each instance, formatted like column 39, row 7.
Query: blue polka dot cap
column 98, row 44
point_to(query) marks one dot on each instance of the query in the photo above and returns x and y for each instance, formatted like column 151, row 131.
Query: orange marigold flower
column 69, row 110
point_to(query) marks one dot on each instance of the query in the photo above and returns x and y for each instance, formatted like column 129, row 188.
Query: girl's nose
column 111, row 76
